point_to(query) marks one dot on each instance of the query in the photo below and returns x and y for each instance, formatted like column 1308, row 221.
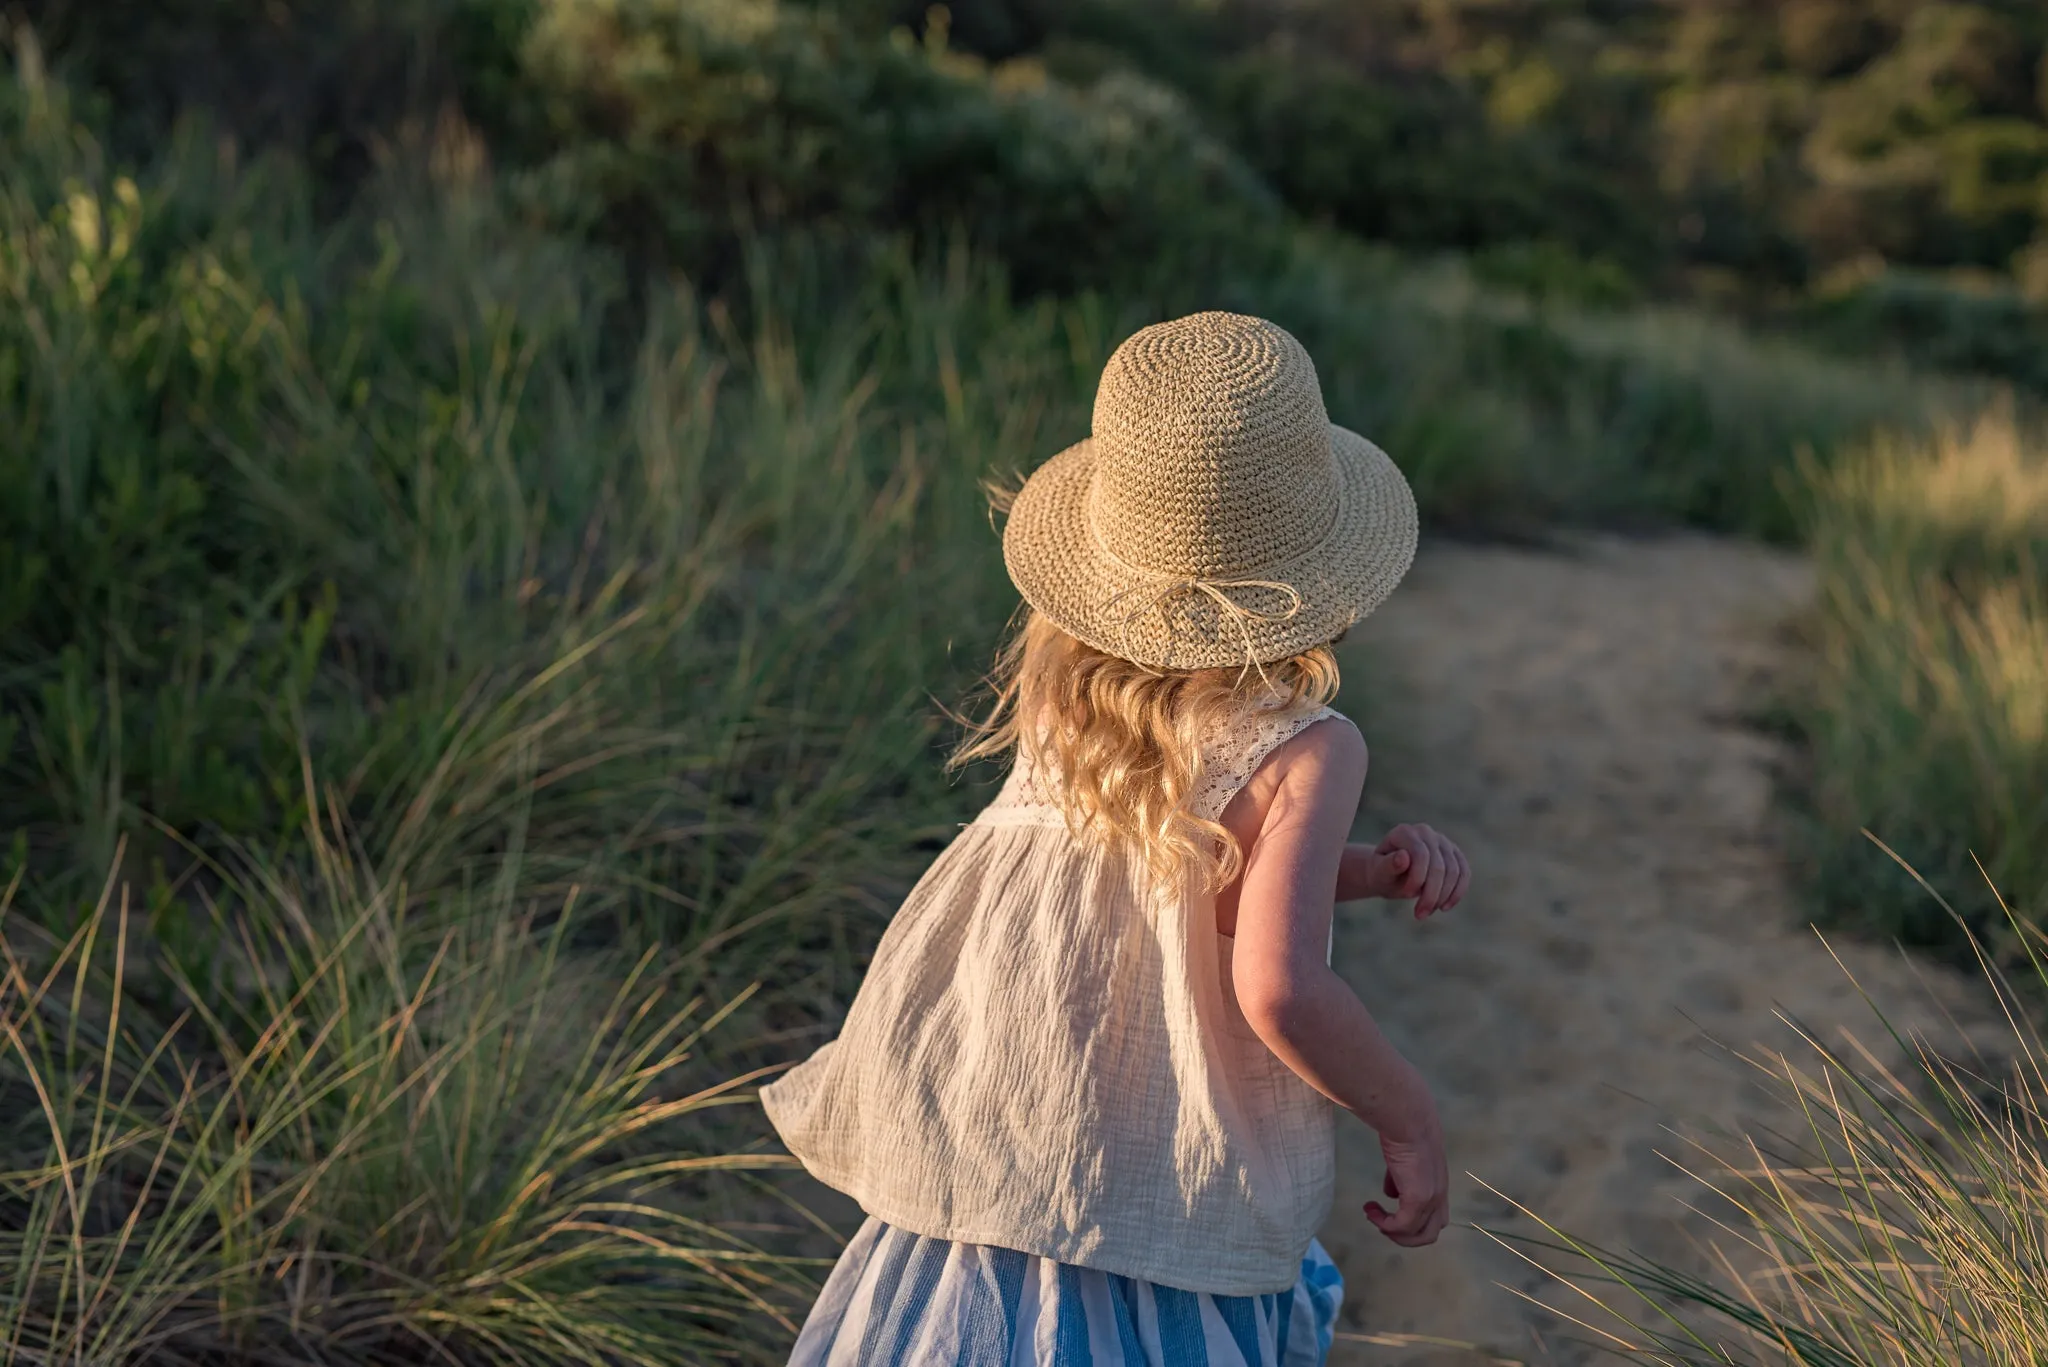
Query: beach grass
column 1898, row 1218
column 421, row 1128
column 454, row 668
column 1927, row 712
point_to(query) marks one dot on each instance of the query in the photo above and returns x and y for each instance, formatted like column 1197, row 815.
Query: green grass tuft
column 1928, row 715
column 421, row 1129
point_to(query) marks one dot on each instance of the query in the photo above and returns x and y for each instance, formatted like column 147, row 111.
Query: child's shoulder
column 1316, row 744
column 1321, row 765
column 1328, row 738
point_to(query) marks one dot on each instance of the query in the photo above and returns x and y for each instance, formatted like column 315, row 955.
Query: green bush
column 393, row 500
column 1412, row 160
column 1550, row 270
column 675, row 120
column 682, row 127
column 325, row 82
column 1938, row 324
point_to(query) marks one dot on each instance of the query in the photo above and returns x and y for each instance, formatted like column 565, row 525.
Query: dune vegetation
column 1928, row 718
column 461, row 709
column 1896, row 1218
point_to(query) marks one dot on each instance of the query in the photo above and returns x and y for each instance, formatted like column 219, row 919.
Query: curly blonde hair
column 1125, row 739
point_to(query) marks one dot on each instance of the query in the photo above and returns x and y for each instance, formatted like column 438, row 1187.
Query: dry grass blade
column 1480, row 1353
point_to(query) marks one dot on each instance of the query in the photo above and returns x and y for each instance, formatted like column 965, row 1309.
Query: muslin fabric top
column 1047, row 1055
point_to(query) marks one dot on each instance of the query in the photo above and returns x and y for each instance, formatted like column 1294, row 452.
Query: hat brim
column 1057, row 565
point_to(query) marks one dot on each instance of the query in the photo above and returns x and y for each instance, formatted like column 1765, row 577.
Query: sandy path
column 1572, row 718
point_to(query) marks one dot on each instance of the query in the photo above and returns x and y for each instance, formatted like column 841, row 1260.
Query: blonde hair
column 1125, row 739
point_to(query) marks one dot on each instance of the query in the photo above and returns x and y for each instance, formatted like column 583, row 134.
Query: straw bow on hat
column 1216, row 516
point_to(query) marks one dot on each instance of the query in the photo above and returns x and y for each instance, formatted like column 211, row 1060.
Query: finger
column 1413, row 839
column 1435, row 1215
column 1387, row 1185
column 1409, row 1219
column 1419, row 865
column 1454, row 868
column 1464, row 880
column 1433, row 886
column 1406, row 1224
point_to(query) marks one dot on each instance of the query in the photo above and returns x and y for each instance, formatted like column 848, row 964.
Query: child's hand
column 1420, row 862
column 1418, row 1176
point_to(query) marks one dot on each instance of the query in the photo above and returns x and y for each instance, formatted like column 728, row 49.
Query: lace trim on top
column 1231, row 754
column 1246, row 741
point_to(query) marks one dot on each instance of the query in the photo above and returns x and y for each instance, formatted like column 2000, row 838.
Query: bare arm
column 1307, row 1015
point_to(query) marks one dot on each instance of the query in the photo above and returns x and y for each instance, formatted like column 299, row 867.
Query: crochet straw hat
column 1216, row 516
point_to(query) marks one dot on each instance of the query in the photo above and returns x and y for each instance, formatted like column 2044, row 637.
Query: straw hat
column 1216, row 516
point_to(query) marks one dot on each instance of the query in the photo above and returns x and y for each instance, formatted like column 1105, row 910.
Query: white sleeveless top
column 1047, row 1055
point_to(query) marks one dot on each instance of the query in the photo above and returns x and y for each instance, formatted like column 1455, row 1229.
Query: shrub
column 1938, row 323
column 682, row 117
column 1550, row 270
column 325, row 82
column 1410, row 158
column 680, row 127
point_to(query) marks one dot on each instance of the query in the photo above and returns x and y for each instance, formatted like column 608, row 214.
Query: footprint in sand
column 1564, row 714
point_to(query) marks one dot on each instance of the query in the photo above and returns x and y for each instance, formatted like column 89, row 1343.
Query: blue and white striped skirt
column 895, row 1299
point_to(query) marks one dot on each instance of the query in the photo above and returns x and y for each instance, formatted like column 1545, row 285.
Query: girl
column 1085, row 1093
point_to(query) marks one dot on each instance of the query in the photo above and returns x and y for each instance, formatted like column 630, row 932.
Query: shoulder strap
column 1231, row 759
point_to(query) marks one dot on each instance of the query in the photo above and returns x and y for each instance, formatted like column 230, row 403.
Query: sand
column 1575, row 718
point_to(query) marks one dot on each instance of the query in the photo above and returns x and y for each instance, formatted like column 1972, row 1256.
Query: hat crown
column 1212, row 449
